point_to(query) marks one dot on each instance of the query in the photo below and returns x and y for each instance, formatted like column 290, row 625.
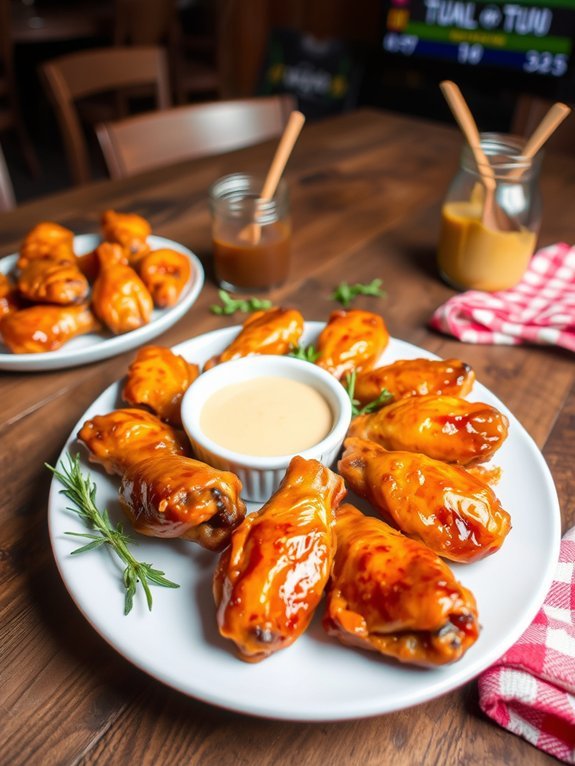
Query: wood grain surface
column 366, row 190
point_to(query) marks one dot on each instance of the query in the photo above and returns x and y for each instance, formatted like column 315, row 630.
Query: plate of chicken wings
column 375, row 584
column 69, row 300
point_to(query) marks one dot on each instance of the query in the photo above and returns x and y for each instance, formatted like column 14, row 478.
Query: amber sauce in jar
column 242, row 262
column 472, row 255
column 256, row 267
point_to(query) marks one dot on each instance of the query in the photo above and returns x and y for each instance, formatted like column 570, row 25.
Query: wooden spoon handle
column 548, row 125
column 285, row 146
column 465, row 120
column 545, row 129
column 252, row 232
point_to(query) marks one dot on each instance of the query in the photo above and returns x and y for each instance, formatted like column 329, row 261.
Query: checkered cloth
column 540, row 309
column 531, row 689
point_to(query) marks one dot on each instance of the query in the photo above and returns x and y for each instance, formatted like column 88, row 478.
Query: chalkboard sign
column 322, row 74
column 533, row 37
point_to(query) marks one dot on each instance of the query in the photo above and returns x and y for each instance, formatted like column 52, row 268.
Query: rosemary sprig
column 376, row 404
column 231, row 305
column 81, row 491
column 307, row 353
column 345, row 293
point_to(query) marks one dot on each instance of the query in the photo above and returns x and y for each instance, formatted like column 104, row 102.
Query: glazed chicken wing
column 158, row 379
column 119, row 297
column 351, row 340
column 274, row 331
column 174, row 496
column 9, row 299
column 444, row 506
column 415, row 377
column 53, row 281
column 165, row 273
column 124, row 437
column 270, row 580
column 442, row 427
column 45, row 328
column 129, row 230
column 395, row 596
column 47, row 240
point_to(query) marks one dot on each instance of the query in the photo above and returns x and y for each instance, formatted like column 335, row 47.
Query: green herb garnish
column 384, row 397
column 307, row 353
column 82, row 492
column 231, row 305
column 345, row 293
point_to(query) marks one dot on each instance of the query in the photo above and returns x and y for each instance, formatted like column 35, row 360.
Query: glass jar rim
column 233, row 191
column 236, row 184
column 503, row 152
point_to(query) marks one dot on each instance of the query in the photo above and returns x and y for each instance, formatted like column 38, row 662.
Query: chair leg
column 26, row 145
column 28, row 152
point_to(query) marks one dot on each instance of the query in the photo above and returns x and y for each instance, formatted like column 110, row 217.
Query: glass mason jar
column 247, row 256
column 472, row 253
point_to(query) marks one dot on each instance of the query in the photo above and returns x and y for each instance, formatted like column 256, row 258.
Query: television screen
column 528, row 36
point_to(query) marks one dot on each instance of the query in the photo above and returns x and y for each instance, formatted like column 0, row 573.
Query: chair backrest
column 7, row 199
column 154, row 139
column 77, row 75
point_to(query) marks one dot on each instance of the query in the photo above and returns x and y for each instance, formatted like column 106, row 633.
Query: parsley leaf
column 246, row 305
column 307, row 353
column 384, row 397
column 345, row 293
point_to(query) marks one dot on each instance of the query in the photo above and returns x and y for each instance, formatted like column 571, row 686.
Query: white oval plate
column 316, row 679
column 96, row 346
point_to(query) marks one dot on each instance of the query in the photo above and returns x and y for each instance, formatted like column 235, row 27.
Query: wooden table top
column 366, row 190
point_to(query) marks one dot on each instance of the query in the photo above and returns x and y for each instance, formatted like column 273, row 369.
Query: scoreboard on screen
column 531, row 36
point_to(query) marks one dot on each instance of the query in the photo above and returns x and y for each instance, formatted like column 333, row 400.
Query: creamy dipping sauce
column 267, row 416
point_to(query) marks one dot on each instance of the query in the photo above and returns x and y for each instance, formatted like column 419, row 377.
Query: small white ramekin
column 260, row 476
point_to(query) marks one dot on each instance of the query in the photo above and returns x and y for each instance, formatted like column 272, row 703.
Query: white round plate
column 317, row 678
column 96, row 346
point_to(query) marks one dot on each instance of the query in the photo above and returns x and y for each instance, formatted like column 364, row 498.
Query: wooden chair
column 7, row 199
column 151, row 140
column 10, row 114
column 157, row 22
column 195, row 65
column 78, row 75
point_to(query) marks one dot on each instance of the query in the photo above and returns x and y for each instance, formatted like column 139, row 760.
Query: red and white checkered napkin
column 540, row 309
column 531, row 689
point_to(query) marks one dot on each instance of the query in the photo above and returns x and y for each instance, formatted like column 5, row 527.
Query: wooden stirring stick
column 253, row 231
column 548, row 125
column 492, row 216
